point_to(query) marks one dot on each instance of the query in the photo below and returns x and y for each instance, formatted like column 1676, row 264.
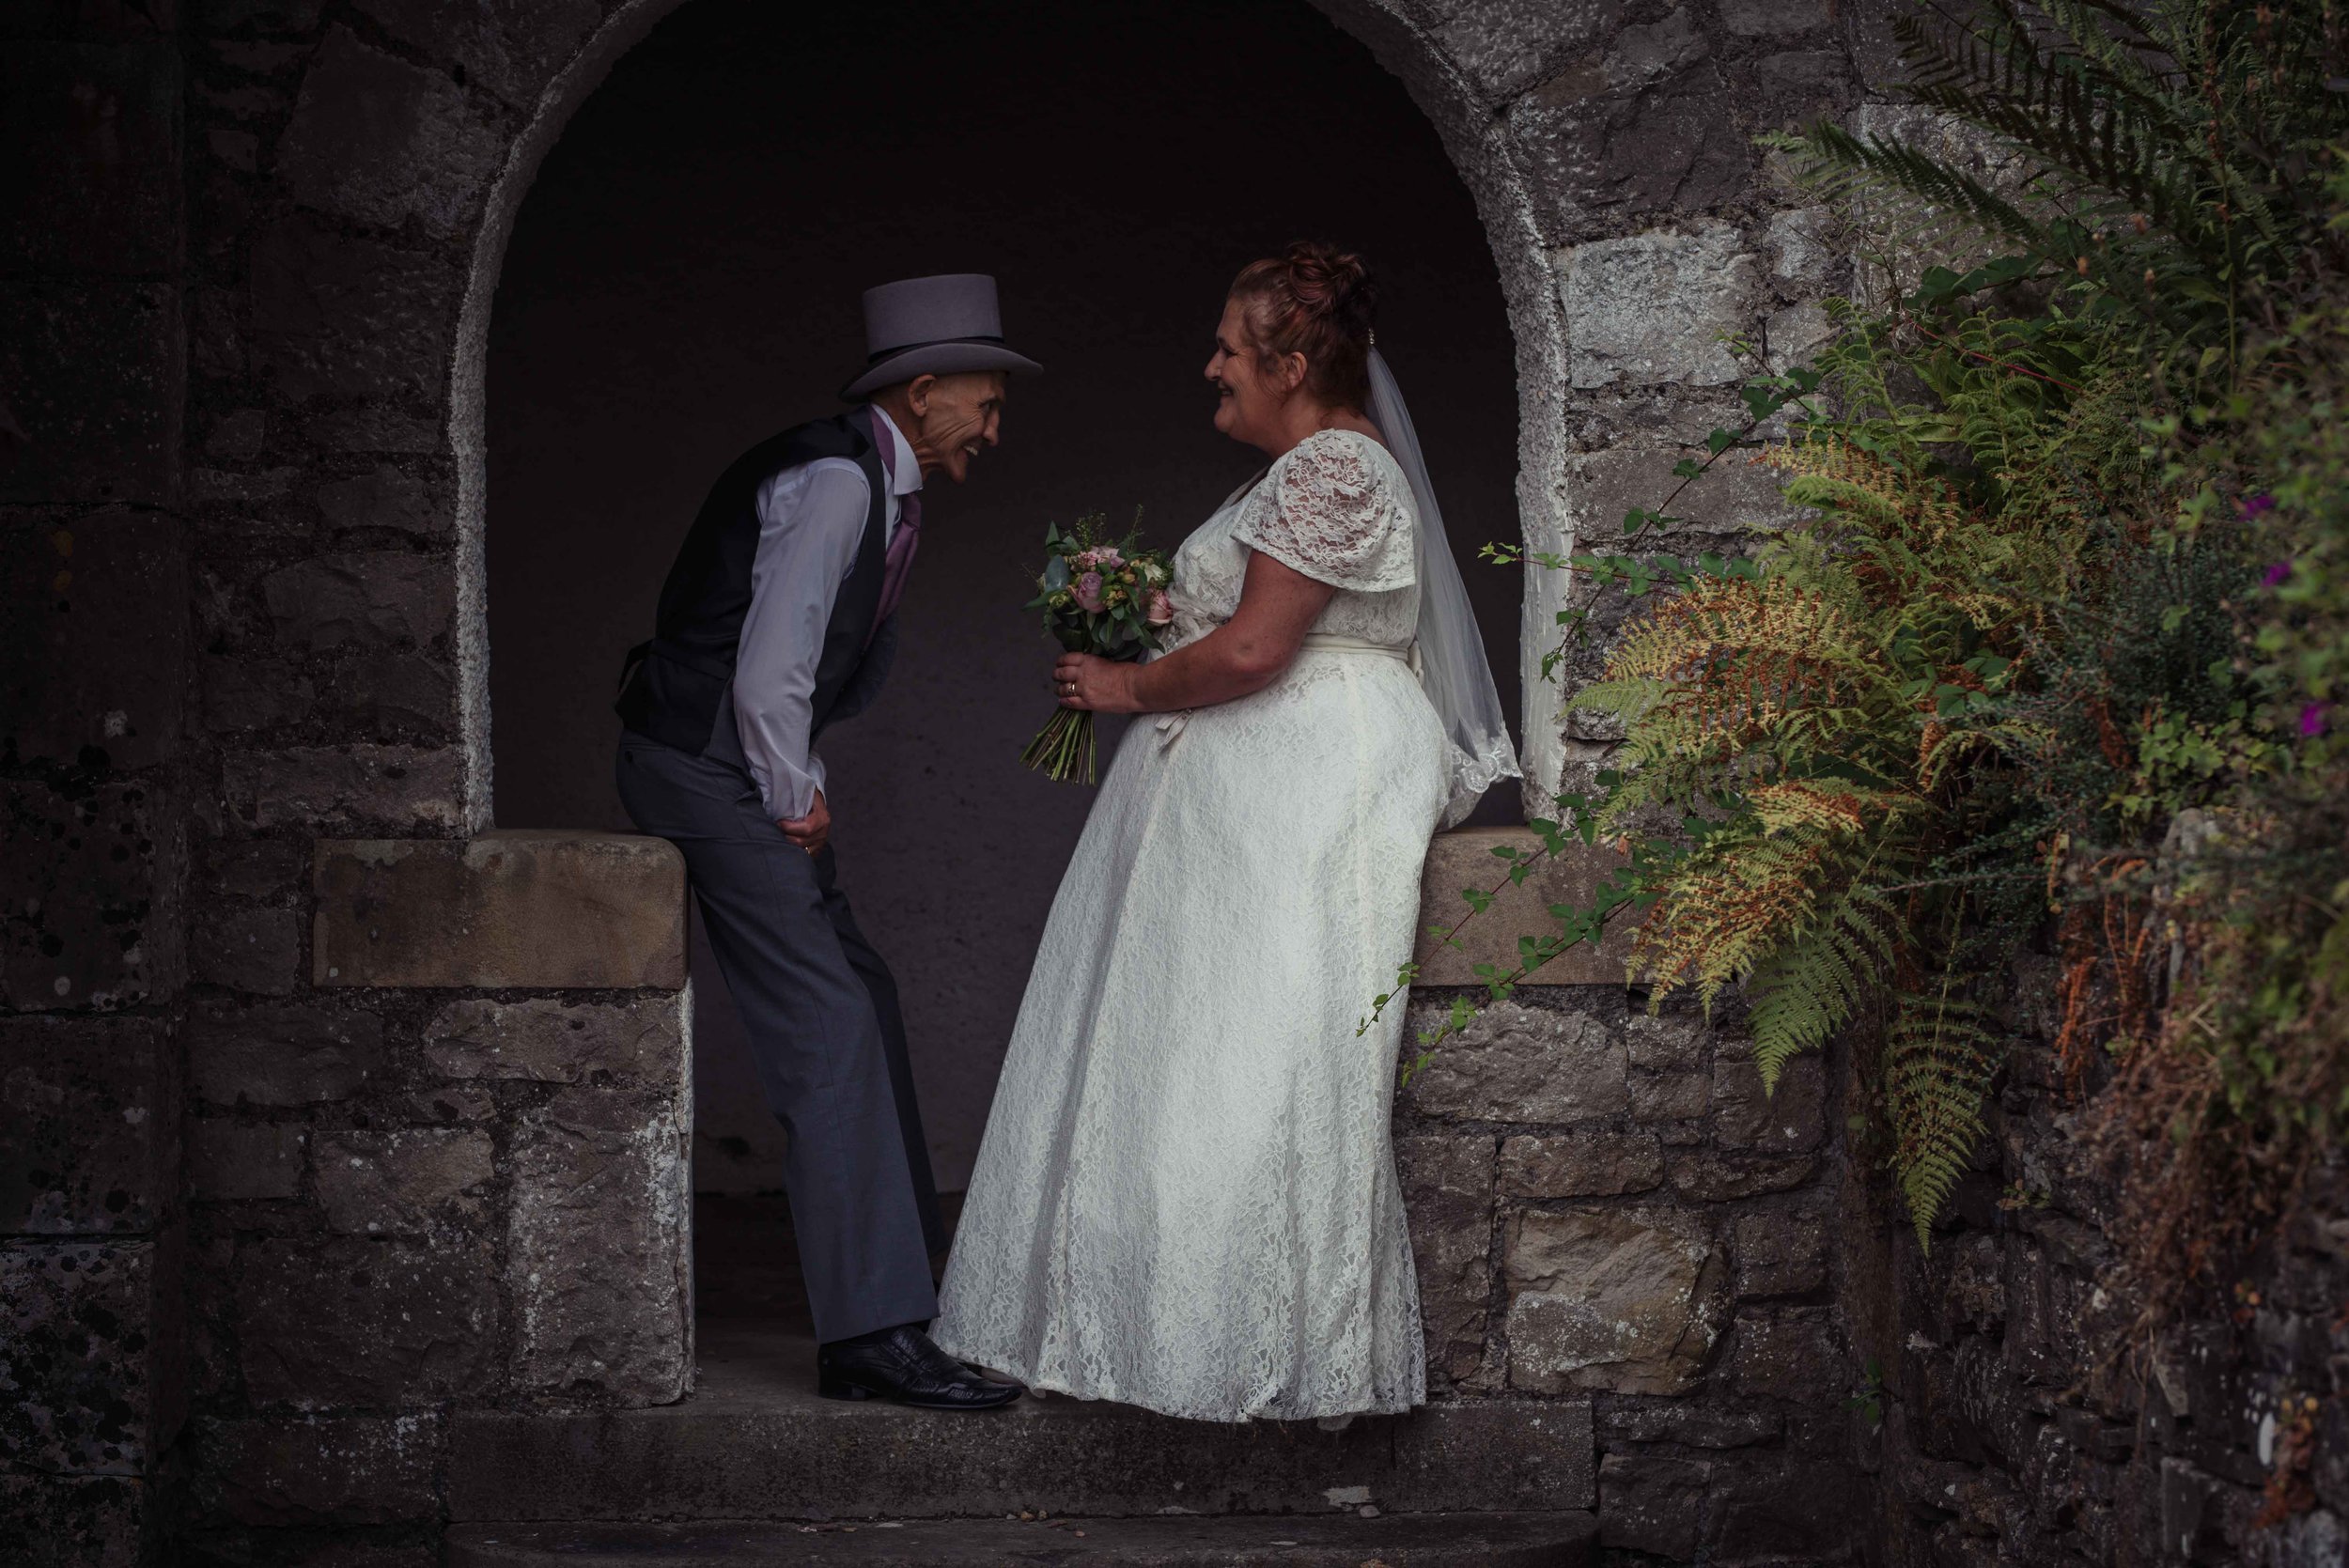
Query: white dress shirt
column 811, row 519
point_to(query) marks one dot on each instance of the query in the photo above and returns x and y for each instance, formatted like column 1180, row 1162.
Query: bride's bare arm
column 1277, row 606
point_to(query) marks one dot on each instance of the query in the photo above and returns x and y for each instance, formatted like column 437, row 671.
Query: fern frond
column 1629, row 697
column 1727, row 665
column 2113, row 36
column 1828, row 805
column 1896, row 166
column 1813, row 986
column 1729, row 908
column 1939, row 1056
column 1835, row 473
column 2065, row 109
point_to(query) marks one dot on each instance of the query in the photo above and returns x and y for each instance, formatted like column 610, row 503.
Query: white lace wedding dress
column 1186, row 1198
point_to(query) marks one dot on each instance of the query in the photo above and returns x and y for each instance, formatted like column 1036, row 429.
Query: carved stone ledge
column 1466, row 860
column 544, row 911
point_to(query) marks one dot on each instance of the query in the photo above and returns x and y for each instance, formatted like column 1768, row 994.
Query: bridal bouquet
column 1100, row 598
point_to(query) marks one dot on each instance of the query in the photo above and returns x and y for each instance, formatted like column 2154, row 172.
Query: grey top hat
column 936, row 326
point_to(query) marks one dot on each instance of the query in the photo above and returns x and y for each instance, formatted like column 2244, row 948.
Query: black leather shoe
column 905, row 1367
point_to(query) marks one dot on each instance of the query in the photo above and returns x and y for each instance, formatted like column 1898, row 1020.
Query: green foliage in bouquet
column 1098, row 596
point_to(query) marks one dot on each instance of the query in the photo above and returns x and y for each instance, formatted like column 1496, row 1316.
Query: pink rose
column 1088, row 590
column 1161, row 608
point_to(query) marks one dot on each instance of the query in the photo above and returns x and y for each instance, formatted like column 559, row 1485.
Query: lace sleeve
column 1330, row 509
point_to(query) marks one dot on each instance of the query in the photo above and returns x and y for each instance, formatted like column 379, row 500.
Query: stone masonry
column 2029, row 1415
column 337, row 1124
column 96, row 773
column 1605, row 1204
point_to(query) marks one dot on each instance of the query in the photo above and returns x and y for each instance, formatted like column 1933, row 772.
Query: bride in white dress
column 1186, row 1198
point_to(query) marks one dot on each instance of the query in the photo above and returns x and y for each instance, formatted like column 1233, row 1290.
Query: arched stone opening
column 1483, row 152
column 663, row 304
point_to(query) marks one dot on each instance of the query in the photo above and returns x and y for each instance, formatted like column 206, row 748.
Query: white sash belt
column 1330, row 641
column 1171, row 726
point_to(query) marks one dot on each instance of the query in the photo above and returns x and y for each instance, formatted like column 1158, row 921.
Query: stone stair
column 755, row 1468
column 1400, row 1540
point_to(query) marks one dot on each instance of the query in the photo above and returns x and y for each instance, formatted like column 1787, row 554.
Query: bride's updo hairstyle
column 1316, row 301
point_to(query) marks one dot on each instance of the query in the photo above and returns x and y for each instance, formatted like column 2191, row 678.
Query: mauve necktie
column 907, row 538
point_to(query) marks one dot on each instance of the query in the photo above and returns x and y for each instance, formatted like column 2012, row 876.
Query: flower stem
column 1064, row 746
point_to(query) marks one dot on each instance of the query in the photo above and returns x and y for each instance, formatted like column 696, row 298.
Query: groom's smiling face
column 947, row 419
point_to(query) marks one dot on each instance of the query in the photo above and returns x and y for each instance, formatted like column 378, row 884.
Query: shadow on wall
column 683, row 280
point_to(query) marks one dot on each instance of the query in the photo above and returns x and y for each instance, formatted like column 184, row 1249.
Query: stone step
column 755, row 1442
column 1400, row 1540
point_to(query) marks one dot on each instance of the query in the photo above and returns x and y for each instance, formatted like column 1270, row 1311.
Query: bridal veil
column 1453, row 672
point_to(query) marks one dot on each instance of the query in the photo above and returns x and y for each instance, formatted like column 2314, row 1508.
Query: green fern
column 1940, row 1055
column 1871, row 734
column 1833, row 729
column 2072, row 96
column 1814, row 985
column 2170, row 151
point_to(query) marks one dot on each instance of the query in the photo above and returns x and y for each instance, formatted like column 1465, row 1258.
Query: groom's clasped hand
column 814, row 831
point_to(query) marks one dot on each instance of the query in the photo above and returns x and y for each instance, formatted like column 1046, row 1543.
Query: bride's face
column 1248, row 400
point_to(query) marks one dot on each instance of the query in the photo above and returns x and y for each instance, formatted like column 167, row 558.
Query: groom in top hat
column 774, row 622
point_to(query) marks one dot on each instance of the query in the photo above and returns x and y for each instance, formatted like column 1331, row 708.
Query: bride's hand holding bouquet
column 1106, row 603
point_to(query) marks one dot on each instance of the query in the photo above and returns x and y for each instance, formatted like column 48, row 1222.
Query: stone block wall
column 2030, row 1416
column 451, row 1178
column 94, row 556
column 427, row 1170
column 1605, row 1205
column 1610, row 146
column 92, row 1352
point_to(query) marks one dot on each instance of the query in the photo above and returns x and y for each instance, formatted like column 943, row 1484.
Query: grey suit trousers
column 822, row 1013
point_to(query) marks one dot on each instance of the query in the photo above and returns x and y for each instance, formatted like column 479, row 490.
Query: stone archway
column 331, row 1117
column 1481, row 151
column 661, row 307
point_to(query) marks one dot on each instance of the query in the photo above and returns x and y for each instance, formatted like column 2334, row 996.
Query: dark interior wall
column 683, row 280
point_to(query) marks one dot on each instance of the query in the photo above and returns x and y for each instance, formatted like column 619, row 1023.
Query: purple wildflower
column 2312, row 719
column 2254, row 504
column 2276, row 573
